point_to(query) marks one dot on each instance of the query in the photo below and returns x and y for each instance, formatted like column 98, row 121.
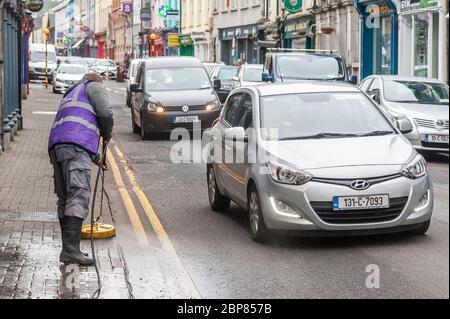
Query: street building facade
column 336, row 27
column 235, row 31
column 378, row 37
column 195, row 38
column 423, row 39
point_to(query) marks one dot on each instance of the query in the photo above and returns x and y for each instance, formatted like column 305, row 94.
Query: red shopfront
column 102, row 46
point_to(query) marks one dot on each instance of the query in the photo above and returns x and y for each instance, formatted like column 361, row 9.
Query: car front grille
column 435, row 145
column 326, row 213
column 431, row 124
column 180, row 108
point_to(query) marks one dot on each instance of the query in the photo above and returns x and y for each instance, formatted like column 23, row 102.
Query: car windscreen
column 416, row 92
column 71, row 69
column 79, row 61
column 310, row 67
column 315, row 115
column 39, row 56
column 227, row 73
column 176, row 79
column 253, row 74
column 110, row 64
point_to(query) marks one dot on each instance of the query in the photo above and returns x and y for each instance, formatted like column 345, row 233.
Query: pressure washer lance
column 101, row 174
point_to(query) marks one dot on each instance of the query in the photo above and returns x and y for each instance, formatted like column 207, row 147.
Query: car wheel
column 258, row 229
column 145, row 136
column 423, row 229
column 217, row 201
column 136, row 128
column 54, row 89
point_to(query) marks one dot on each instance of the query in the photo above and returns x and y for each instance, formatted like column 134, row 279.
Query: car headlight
column 417, row 168
column 214, row 105
column 287, row 175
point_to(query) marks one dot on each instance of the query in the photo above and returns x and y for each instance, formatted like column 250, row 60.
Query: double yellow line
column 136, row 222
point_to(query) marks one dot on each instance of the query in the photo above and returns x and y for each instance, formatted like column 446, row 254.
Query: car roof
column 253, row 66
column 322, row 54
column 305, row 87
column 171, row 62
column 408, row 78
column 77, row 65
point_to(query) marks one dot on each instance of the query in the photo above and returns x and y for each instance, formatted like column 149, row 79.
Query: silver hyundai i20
column 316, row 158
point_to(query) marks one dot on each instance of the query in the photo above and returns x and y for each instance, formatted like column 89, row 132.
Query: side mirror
column 235, row 79
column 376, row 97
column 404, row 125
column 266, row 77
column 354, row 79
column 135, row 88
column 236, row 134
column 217, row 84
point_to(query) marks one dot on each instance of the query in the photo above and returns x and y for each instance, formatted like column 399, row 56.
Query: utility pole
column 46, row 33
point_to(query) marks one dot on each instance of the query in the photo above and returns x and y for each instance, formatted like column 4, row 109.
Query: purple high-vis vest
column 76, row 122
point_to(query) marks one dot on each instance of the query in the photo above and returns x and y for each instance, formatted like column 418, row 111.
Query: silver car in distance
column 317, row 159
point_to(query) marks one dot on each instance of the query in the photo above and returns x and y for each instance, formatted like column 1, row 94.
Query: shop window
column 421, row 26
column 382, row 46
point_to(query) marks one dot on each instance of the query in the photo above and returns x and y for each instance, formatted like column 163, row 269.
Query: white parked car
column 423, row 101
column 106, row 67
column 68, row 75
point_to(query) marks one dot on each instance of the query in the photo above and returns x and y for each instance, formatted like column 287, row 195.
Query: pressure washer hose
column 101, row 174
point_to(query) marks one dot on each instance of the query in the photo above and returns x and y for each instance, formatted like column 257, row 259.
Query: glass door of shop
column 425, row 44
column 382, row 47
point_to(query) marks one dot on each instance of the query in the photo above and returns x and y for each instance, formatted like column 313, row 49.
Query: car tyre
column 136, row 128
column 145, row 136
column 422, row 230
column 217, row 201
column 259, row 232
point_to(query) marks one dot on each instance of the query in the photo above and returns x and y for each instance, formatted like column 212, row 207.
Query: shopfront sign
column 297, row 27
column 239, row 32
column 186, row 40
column 173, row 40
column 293, row 6
column 34, row 5
column 409, row 5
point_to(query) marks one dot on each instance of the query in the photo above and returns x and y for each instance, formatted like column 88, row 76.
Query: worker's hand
column 103, row 166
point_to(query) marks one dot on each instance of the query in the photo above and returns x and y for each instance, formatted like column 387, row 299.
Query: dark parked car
column 225, row 73
column 290, row 65
column 173, row 92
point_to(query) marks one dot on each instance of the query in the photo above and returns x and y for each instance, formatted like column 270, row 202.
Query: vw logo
column 441, row 123
column 360, row 185
column 185, row 108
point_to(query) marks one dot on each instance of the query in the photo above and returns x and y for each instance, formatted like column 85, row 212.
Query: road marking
column 126, row 198
column 162, row 235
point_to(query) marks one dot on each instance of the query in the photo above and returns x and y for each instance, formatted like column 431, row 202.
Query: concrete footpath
column 29, row 229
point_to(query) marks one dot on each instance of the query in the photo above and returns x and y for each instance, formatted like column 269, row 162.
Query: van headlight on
column 213, row 105
column 287, row 175
column 417, row 168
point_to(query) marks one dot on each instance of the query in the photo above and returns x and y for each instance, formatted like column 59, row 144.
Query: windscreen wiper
column 378, row 133
column 319, row 136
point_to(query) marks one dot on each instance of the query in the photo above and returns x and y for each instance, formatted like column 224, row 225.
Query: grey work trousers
column 72, row 176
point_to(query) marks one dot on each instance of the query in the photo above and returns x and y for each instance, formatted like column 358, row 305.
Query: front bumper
column 300, row 198
column 417, row 139
column 164, row 122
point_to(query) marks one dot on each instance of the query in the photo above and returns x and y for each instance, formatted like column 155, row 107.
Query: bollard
column 6, row 136
column 11, row 126
column 16, row 123
column 19, row 120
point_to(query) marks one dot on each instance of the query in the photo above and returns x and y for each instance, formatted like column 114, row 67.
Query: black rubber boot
column 71, row 254
column 61, row 221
